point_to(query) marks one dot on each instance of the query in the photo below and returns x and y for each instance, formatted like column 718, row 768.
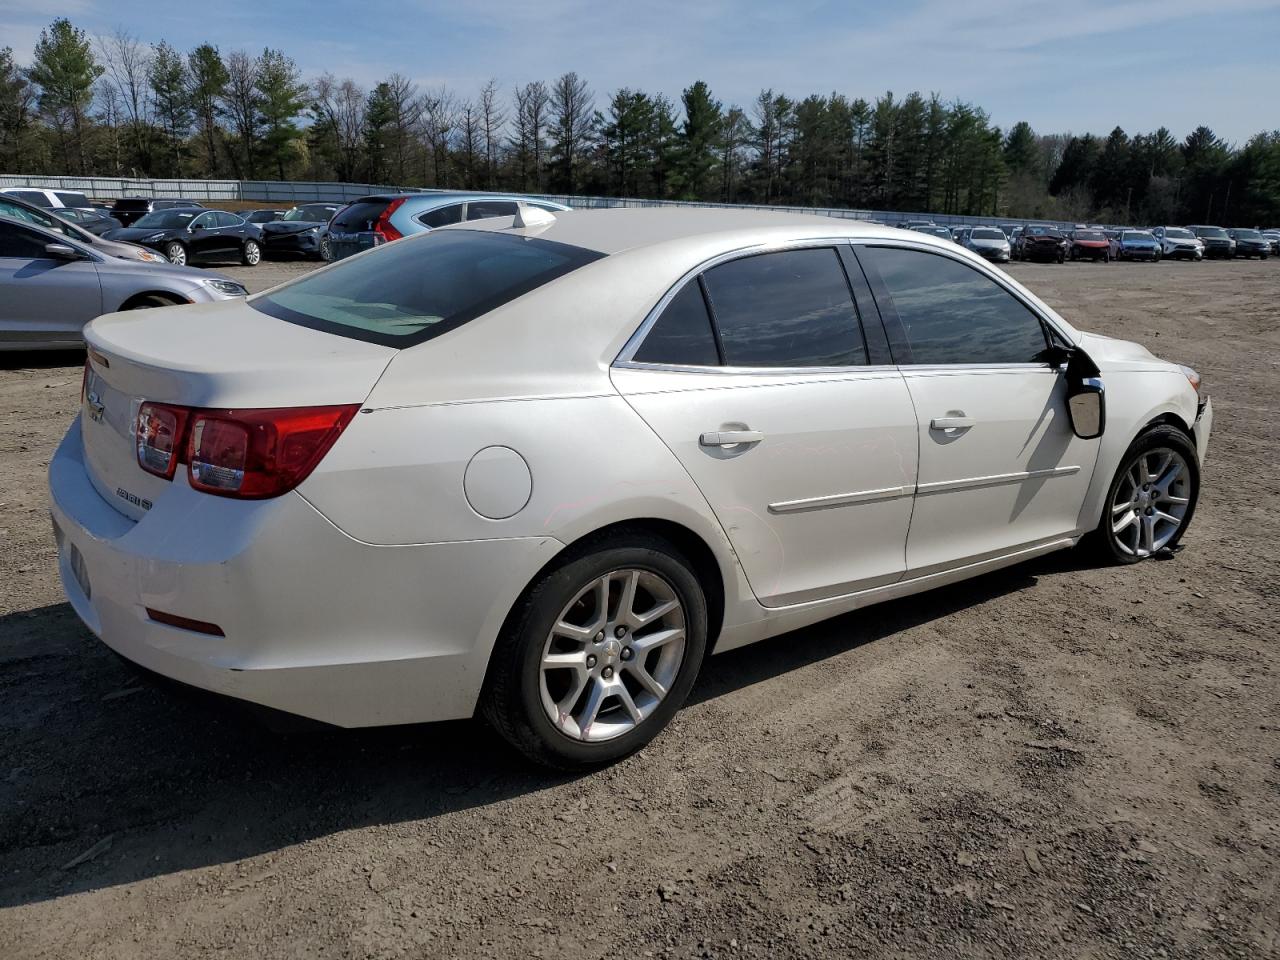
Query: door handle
column 729, row 438
column 951, row 423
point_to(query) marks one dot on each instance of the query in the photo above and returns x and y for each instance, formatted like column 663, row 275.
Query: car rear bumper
column 314, row 623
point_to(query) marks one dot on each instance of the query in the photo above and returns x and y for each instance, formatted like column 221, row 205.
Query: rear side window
column 131, row 204
column 36, row 197
column 360, row 215
column 419, row 288
column 227, row 219
column 682, row 333
column 442, row 216
column 951, row 313
column 484, row 209
column 72, row 199
column 792, row 308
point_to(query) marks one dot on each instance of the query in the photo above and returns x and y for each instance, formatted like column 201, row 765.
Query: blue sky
column 1062, row 65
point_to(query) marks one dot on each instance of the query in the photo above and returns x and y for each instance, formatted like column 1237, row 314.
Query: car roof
column 616, row 229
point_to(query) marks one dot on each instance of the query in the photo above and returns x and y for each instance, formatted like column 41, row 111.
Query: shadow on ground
column 181, row 780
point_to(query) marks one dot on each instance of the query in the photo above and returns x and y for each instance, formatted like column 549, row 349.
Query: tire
column 520, row 694
column 1120, row 547
column 176, row 253
column 149, row 301
column 251, row 253
column 326, row 254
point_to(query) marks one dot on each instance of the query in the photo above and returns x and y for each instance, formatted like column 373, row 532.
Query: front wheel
column 176, row 253
column 1152, row 498
column 326, row 253
column 599, row 654
column 251, row 253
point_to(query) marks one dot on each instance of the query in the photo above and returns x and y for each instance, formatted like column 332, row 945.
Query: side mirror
column 62, row 251
column 1086, row 397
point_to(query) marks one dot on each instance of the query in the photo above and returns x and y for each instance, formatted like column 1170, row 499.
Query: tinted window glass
column 227, row 219
column 22, row 213
column 360, row 215
column 484, row 209
column 72, row 199
column 443, row 216
column 786, row 309
column 24, row 244
column 951, row 313
column 682, row 334
column 418, row 289
column 33, row 196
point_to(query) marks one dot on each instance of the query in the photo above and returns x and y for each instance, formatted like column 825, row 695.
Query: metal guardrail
column 308, row 191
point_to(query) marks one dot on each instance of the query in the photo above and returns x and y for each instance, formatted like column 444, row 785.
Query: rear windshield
column 360, row 215
column 313, row 212
column 167, row 219
column 417, row 289
column 132, row 203
column 72, row 199
column 983, row 234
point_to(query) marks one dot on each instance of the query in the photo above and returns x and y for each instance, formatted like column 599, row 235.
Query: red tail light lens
column 382, row 226
column 158, row 434
column 254, row 454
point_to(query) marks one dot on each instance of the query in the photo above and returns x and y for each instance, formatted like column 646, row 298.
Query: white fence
column 298, row 191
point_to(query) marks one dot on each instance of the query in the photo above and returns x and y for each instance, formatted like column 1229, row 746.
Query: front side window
column 23, row 244
column 682, row 333
column 484, row 209
column 951, row 313
column 792, row 308
column 419, row 288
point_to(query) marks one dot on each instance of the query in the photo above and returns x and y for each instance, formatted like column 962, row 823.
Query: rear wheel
column 1152, row 497
column 176, row 253
column 599, row 654
column 251, row 253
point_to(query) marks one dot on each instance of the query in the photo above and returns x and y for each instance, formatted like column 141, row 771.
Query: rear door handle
column 729, row 438
column 951, row 423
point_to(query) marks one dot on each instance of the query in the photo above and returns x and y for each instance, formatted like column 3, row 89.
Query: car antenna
column 532, row 217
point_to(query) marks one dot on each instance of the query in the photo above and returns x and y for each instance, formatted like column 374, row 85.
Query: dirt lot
column 1057, row 760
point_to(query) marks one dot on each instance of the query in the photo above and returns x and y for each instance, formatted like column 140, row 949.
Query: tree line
column 116, row 106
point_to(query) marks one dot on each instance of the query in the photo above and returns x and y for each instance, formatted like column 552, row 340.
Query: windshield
column 1248, row 235
column 1089, row 235
column 1177, row 233
column 167, row 219
column 983, row 234
column 1216, row 232
column 412, row 291
column 313, row 212
column 1136, row 235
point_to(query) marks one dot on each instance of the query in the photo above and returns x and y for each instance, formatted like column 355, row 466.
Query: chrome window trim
column 978, row 264
column 625, row 357
column 837, row 372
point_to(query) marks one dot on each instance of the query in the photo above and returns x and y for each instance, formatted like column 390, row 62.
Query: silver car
column 52, row 285
column 18, row 209
column 988, row 242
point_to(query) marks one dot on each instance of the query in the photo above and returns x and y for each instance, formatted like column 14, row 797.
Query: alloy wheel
column 613, row 654
column 1151, row 502
column 176, row 253
column 252, row 253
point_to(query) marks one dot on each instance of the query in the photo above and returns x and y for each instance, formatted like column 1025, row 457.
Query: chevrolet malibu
column 539, row 467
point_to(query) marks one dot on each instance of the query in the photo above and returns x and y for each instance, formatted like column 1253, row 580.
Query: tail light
column 382, row 226
column 158, row 437
column 248, row 454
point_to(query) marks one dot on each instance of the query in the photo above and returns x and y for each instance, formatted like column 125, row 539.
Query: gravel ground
column 1057, row 760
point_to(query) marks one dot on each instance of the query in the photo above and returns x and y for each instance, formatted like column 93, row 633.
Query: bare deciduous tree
column 532, row 102
column 492, row 119
column 127, row 61
column 437, row 124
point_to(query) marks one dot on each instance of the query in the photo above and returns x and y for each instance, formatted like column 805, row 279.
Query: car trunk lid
column 212, row 356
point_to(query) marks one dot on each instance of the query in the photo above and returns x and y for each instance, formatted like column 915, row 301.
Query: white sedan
column 542, row 466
